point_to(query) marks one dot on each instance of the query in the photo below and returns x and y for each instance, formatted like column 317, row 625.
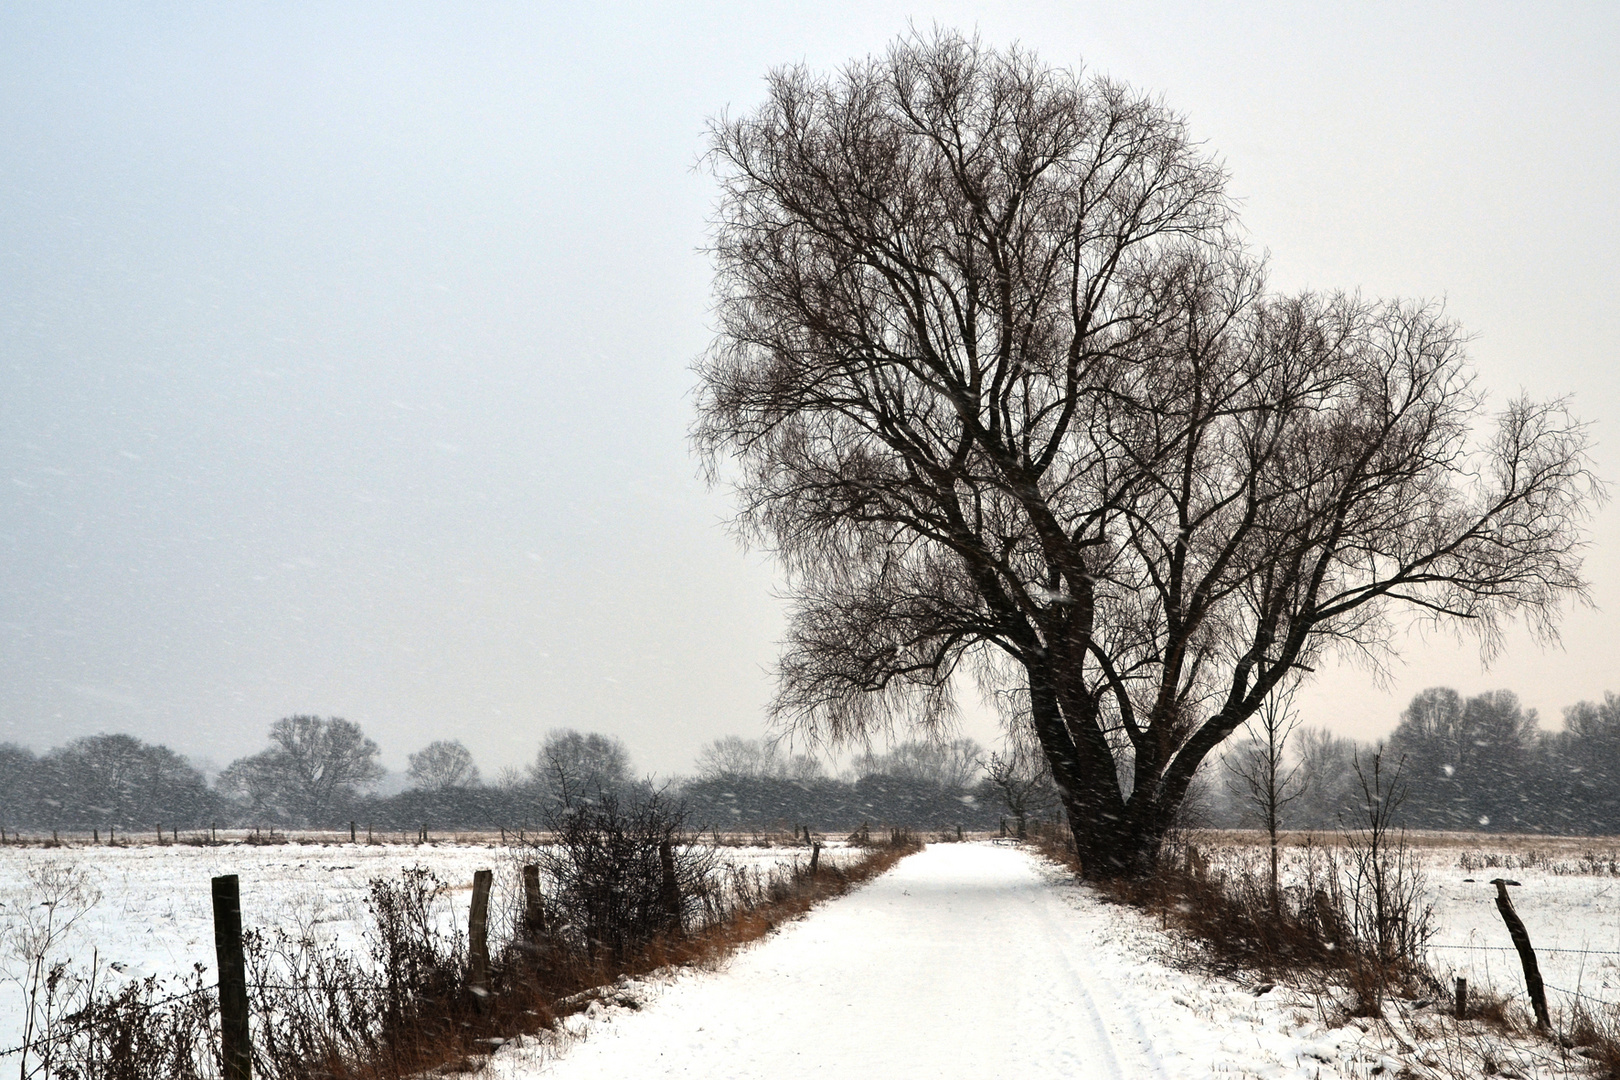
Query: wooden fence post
column 235, row 1048
column 1527, row 955
column 351, row 832
column 670, row 892
column 815, row 858
column 1462, row 997
column 478, row 933
column 534, row 911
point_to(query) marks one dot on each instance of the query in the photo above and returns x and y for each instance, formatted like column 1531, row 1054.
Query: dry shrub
column 1595, row 1034
column 623, row 873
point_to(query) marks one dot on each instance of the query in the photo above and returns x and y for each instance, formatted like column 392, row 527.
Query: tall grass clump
column 1358, row 919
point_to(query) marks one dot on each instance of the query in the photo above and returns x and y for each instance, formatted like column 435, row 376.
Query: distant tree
column 1580, row 791
column 511, row 779
column 442, row 764
column 1327, row 775
column 313, row 764
column 20, row 775
column 953, row 765
column 1259, row 773
column 1020, row 781
column 120, row 780
column 1467, row 763
column 996, row 379
column 572, row 766
column 732, row 755
column 1595, row 722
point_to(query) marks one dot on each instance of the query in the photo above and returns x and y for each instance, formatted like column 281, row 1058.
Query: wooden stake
column 1462, row 997
column 670, row 891
column 235, row 1049
column 534, row 911
column 1527, row 955
column 478, row 933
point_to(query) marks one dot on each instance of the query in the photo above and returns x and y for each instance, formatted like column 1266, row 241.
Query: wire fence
column 1607, row 1003
column 1539, row 950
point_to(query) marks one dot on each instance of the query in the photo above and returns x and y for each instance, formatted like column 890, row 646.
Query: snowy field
column 153, row 914
column 966, row 960
column 1568, row 897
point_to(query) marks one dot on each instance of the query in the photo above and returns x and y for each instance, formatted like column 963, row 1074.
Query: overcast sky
column 345, row 349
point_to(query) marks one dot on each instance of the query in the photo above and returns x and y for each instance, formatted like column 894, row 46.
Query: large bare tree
column 996, row 382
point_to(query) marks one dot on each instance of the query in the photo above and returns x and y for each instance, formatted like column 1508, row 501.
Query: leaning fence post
column 1527, row 955
column 478, row 932
column 815, row 858
column 236, row 1051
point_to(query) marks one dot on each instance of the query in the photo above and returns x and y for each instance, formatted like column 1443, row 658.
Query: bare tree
column 951, row 764
column 995, row 381
column 441, row 765
column 573, row 766
column 1259, row 773
column 1022, row 782
column 1325, row 762
column 313, row 763
column 732, row 755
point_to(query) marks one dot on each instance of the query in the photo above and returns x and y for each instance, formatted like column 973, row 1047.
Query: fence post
column 1527, row 955
column 235, row 1048
column 670, row 893
column 534, row 911
column 478, row 933
column 815, row 858
column 1462, row 997
column 351, row 832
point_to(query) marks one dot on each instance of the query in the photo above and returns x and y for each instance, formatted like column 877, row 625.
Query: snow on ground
column 1568, row 895
column 155, row 912
column 967, row 960
column 1573, row 920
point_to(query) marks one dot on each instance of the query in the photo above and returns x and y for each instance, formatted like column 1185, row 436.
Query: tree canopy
column 998, row 383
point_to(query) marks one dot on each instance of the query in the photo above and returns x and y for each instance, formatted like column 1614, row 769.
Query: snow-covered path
column 966, row 960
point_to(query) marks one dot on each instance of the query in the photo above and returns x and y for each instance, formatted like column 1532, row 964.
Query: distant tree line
column 1481, row 763
column 1478, row 763
column 320, row 772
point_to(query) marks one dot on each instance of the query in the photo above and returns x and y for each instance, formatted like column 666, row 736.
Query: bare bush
column 623, row 871
column 1384, row 886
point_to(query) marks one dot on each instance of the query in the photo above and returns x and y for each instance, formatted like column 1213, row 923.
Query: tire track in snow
column 965, row 960
column 1057, row 914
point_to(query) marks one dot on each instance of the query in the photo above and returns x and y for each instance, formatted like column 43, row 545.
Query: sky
column 345, row 350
